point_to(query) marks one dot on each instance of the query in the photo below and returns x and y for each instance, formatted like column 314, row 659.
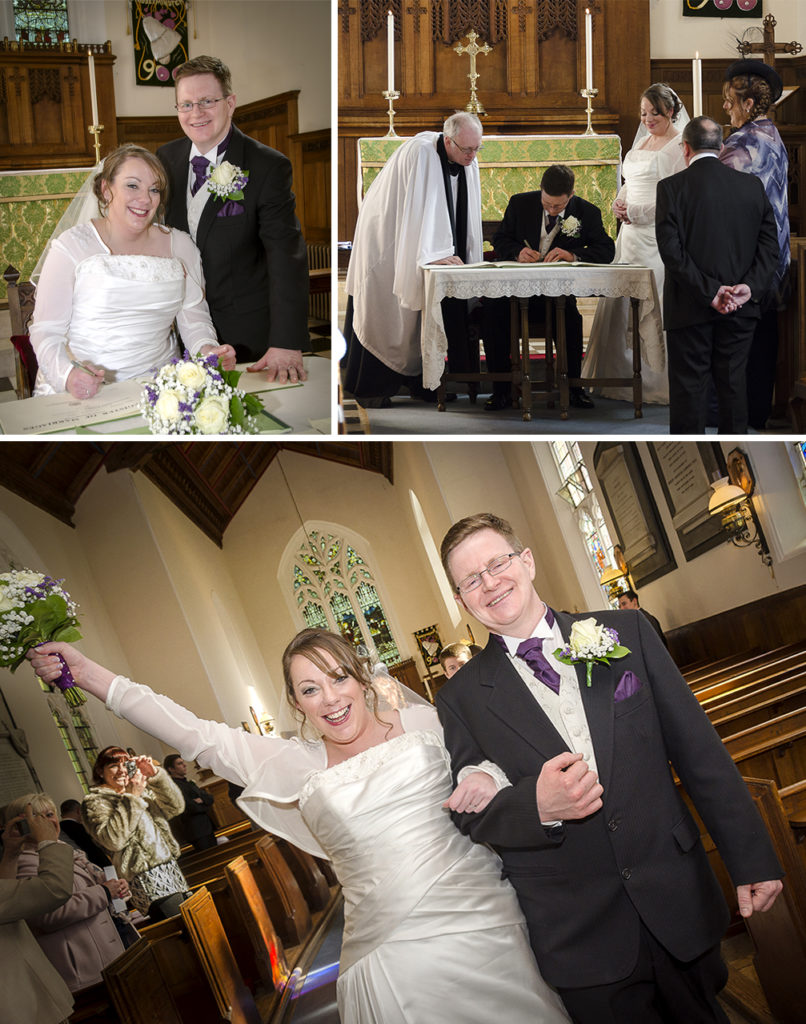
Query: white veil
column 82, row 209
column 679, row 122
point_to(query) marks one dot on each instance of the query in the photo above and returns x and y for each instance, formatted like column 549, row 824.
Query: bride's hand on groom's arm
column 89, row 675
column 472, row 794
column 225, row 353
column 281, row 364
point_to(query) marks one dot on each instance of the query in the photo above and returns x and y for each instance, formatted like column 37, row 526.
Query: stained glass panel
column 34, row 16
column 371, row 609
column 69, row 746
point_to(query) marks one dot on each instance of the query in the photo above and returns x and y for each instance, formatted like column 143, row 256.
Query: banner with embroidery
column 160, row 33
column 722, row 8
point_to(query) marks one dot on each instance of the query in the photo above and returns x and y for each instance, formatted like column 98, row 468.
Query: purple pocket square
column 627, row 686
column 230, row 209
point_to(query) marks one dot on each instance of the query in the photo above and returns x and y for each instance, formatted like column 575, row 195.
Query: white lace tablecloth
column 520, row 279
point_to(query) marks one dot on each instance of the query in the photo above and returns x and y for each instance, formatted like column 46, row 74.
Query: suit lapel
column 510, row 700
column 597, row 699
column 234, row 155
column 178, row 170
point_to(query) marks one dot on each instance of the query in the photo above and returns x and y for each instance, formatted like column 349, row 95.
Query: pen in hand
column 87, row 369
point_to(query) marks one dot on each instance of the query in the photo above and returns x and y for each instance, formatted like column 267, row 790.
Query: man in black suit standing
column 624, row 913
column 253, row 253
column 717, row 239
column 546, row 226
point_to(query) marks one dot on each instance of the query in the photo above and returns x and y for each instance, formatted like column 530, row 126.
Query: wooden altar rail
column 772, row 621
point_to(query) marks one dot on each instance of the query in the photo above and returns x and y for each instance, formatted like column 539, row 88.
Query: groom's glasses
column 185, row 108
column 497, row 565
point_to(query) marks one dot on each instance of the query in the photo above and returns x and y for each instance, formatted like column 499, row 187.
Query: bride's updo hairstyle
column 664, row 99
column 311, row 644
column 112, row 164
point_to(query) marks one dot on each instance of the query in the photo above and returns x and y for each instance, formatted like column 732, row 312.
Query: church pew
column 775, row 749
column 721, row 668
column 210, row 863
column 779, row 935
column 234, row 1000
column 769, row 666
column 93, row 1005
column 296, row 914
column 228, row 832
column 765, row 704
column 138, row 989
column 746, row 696
column 310, row 878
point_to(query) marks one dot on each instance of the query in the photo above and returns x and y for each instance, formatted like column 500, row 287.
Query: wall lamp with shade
column 616, row 577
column 732, row 502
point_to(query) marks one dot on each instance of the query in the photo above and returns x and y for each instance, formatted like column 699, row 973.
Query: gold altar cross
column 472, row 49
column 768, row 48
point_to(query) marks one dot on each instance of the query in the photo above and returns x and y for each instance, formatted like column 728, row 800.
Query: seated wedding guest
column 72, row 831
column 110, row 288
column 717, row 239
column 252, row 249
column 195, row 823
column 546, row 226
column 424, row 207
column 628, row 601
column 452, row 657
column 751, row 87
column 366, row 783
column 127, row 812
column 656, row 153
column 32, row 989
column 79, row 937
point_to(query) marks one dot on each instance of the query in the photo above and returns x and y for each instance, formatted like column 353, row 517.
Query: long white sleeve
column 54, row 307
column 193, row 319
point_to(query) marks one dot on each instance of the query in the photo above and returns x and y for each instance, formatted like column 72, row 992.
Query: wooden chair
column 21, row 308
column 294, row 917
column 266, row 943
column 138, row 989
column 234, row 1000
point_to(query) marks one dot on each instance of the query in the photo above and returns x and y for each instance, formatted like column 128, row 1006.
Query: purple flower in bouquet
column 35, row 609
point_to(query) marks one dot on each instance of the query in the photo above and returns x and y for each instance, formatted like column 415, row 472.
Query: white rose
column 167, row 406
column 223, row 174
column 5, row 604
column 211, row 415
column 191, row 376
column 586, row 634
column 25, row 578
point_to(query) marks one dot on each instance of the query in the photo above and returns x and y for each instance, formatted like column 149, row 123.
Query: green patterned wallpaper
column 30, row 207
column 511, row 165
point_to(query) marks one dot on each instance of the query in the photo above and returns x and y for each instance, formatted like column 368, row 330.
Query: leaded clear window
column 70, row 747
column 334, row 588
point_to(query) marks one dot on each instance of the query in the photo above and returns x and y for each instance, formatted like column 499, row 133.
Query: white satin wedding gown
column 115, row 311
column 609, row 351
column 432, row 932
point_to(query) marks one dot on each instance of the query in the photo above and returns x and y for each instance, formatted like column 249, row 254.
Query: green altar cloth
column 509, row 164
column 31, row 203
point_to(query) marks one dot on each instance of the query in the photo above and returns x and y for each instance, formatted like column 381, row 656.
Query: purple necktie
column 551, row 221
column 532, row 653
column 200, row 165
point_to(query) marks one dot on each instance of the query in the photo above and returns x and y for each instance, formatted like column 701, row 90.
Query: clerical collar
column 452, row 168
column 544, row 630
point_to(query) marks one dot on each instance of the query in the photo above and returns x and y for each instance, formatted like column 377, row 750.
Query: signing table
column 301, row 408
column 519, row 282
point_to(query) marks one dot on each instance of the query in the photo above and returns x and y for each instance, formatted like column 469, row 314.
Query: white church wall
column 671, row 35
column 271, row 46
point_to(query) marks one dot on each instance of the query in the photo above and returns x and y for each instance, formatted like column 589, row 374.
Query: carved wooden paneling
column 45, row 105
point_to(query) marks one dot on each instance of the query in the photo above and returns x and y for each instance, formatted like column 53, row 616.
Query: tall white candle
column 93, row 93
column 390, row 52
column 588, row 50
column 696, row 74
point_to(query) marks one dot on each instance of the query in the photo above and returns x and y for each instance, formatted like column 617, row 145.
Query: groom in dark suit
column 545, row 226
column 717, row 238
column 625, row 916
column 253, row 253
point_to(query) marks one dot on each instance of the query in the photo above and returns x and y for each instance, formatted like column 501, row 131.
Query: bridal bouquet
column 35, row 609
column 193, row 395
column 590, row 642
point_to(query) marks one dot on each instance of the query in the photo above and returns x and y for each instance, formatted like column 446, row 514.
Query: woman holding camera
column 127, row 812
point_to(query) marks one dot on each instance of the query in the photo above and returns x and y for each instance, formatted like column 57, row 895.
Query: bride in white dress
column 110, row 289
column 432, row 931
column 657, row 152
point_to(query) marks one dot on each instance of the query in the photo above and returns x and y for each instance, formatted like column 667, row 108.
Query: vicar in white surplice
column 424, row 207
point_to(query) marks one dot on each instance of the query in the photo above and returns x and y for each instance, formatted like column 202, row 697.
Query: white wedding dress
column 115, row 311
column 609, row 351
column 432, row 932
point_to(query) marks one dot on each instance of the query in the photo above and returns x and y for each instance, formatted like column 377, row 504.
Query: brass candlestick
column 472, row 49
column 95, row 130
column 391, row 97
column 589, row 94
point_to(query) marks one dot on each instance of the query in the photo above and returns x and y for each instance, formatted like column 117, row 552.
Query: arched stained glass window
column 41, row 16
column 334, row 588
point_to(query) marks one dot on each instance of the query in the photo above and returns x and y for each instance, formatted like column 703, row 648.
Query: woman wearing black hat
column 750, row 89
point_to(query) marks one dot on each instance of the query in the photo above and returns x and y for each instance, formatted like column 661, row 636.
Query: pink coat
column 80, row 938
